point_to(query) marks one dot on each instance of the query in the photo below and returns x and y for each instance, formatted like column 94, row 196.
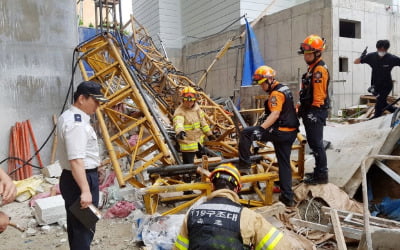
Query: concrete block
column 52, row 170
column 50, row 210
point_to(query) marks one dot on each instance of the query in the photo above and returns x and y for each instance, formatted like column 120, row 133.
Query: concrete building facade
column 37, row 42
column 348, row 26
column 179, row 22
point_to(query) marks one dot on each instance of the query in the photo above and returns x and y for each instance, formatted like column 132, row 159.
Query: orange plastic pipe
column 25, row 148
column 34, row 143
column 16, row 152
column 28, row 149
column 21, row 148
column 11, row 163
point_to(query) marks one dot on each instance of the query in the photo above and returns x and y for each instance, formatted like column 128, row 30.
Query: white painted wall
column 253, row 8
column 207, row 17
column 376, row 23
column 148, row 14
column 170, row 23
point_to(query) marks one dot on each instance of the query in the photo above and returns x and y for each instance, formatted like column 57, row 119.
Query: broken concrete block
column 30, row 232
column 50, row 210
column 46, row 229
column 52, row 170
column 32, row 223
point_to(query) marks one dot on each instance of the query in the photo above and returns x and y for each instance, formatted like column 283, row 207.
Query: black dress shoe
column 286, row 201
column 313, row 180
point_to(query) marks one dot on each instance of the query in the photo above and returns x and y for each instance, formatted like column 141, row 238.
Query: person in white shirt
column 79, row 179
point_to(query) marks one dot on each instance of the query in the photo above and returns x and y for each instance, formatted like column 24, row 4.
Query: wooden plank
column 341, row 244
column 381, row 222
column 388, row 171
column 351, row 233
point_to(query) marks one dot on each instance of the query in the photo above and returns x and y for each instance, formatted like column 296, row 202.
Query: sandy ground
column 110, row 233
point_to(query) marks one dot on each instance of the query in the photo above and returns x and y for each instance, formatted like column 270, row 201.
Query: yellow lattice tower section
column 143, row 86
column 163, row 81
column 128, row 113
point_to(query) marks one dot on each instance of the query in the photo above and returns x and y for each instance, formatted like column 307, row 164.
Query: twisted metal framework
column 128, row 113
column 143, row 86
column 163, row 81
column 106, row 14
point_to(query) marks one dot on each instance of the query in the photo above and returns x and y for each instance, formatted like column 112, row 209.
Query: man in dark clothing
column 382, row 64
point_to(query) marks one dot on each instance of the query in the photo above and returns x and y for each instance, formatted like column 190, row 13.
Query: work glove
column 181, row 135
column 364, row 53
column 372, row 90
column 257, row 133
column 262, row 118
column 212, row 138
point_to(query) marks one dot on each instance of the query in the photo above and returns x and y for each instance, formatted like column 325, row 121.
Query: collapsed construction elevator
column 136, row 124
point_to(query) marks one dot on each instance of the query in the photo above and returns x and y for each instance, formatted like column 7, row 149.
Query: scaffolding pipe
column 154, row 114
column 191, row 168
column 365, row 193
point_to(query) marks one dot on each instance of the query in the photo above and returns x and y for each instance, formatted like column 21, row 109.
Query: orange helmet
column 262, row 73
column 311, row 44
column 228, row 172
column 188, row 93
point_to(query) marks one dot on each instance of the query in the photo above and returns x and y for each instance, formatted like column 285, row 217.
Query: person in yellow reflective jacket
column 190, row 126
column 223, row 223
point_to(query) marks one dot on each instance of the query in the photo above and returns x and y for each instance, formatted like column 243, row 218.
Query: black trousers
column 381, row 102
column 188, row 157
column 314, row 120
column 79, row 236
column 282, row 142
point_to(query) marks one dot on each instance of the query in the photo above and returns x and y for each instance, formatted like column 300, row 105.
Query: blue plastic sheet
column 252, row 57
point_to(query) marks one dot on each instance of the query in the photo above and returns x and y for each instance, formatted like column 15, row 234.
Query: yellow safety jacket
column 255, row 230
column 193, row 122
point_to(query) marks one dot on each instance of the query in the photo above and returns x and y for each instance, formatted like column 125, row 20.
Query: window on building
column 343, row 64
column 350, row 29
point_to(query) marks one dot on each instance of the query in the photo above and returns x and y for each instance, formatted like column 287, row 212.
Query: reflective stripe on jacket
column 194, row 123
column 254, row 229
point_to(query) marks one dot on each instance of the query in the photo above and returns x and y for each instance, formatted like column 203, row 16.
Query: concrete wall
column 204, row 18
column 376, row 23
column 37, row 39
column 279, row 36
column 253, row 8
column 221, row 80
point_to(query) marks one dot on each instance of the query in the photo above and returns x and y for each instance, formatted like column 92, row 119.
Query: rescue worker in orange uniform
column 314, row 104
column 190, row 126
column 280, row 127
column 223, row 223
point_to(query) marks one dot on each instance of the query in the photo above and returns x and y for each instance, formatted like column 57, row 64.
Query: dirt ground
column 116, row 234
